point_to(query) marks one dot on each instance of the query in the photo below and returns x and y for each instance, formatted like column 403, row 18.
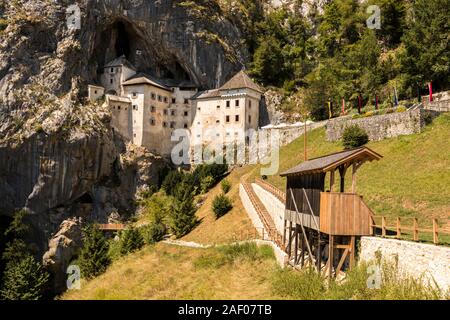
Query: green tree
column 94, row 258
column 24, row 280
column 221, row 205
column 131, row 241
column 183, row 211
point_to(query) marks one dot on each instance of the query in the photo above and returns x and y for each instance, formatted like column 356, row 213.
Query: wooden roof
column 332, row 161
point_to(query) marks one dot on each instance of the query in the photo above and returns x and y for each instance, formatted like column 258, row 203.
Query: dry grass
column 171, row 272
column 229, row 227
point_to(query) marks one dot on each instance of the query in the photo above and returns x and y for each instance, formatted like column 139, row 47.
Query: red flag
column 430, row 87
column 343, row 106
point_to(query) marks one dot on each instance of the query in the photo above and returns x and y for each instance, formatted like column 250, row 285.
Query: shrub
column 401, row 109
column 354, row 137
column 154, row 232
column 206, row 183
column 221, row 205
column 94, row 256
column 226, row 186
column 300, row 285
column 183, row 218
column 131, row 241
column 3, row 24
column 25, row 280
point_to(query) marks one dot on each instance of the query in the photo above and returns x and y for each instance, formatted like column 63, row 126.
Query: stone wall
column 382, row 126
column 251, row 211
column 273, row 206
column 441, row 102
column 289, row 134
column 417, row 260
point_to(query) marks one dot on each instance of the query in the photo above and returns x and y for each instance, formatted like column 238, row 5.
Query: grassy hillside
column 412, row 179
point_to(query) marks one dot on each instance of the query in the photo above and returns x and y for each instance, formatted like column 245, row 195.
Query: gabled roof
column 332, row 161
column 207, row 94
column 239, row 81
column 142, row 78
column 118, row 62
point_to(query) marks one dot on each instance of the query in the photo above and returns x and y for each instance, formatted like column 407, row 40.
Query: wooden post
column 383, row 227
column 330, row 258
column 331, row 181
column 399, row 230
column 435, row 232
column 355, row 168
column 319, row 253
column 290, row 241
column 284, row 233
column 352, row 252
column 296, row 244
column 415, row 231
column 342, row 171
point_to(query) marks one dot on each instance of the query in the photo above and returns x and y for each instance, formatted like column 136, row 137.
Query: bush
column 226, row 186
column 354, row 137
column 154, row 232
column 206, row 183
column 25, row 280
column 183, row 218
column 401, row 109
column 94, row 256
column 221, row 205
column 131, row 241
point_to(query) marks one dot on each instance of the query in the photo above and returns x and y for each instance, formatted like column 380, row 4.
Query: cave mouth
column 122, row 38
column 86, row 199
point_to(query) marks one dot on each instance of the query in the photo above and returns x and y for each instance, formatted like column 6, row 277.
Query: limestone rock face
column 63, row 247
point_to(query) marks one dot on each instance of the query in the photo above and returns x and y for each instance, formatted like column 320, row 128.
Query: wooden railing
column 111, row 227
column 280, row 195
column 413, row 232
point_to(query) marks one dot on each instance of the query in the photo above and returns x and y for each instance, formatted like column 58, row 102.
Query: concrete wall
column 414, row 259
column 382, row 126
column 274, row 206
column 251, row 211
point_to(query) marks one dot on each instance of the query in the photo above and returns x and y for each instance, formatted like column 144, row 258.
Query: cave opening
column 86, row 199
column 122, row 45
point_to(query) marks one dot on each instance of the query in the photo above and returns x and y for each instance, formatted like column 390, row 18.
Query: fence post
column 383, row 227
column 399, row 229
column 416, row 231
column 435, row 232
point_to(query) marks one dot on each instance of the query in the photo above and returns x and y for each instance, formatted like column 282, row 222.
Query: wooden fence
column 408, row 228
column 280, row 195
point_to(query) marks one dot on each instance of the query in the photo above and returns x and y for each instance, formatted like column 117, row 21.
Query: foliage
column 221, row 205
column 24, row 280
column 154, row 232
column 94, row 257
column 226, row 185
column 170, row 182
column 206, row 183
column 354, row 137
column 131, row 240
column 183, row 218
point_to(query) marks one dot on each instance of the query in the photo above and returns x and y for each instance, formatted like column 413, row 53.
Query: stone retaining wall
column 417, row 260
column 273, row 206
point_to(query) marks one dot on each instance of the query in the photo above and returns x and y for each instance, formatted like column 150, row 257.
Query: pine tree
column 24, row 280
column 94, row 257
column 131, row 241
column 183, row 211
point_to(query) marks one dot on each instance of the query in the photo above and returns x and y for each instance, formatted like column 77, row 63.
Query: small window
column 134, row 135
column 164, row 124
column 250, row 104
column 111, row 81
column 199, row 108
column 159, row 98
column 186, row 101
column 165, row 112
column 217, row 121
column 134, row 94
column 118, row 107
column 237, row 103
column 112, row 70
column 237, row 118
column 174, row 100
column 227, row 119
column 166, row 100
column 218, row 107
column 152, row 121
column 186, row 113
column 95, row 91
column 228, row 134
column 172, row 112
column 185, row 126
column 135, row 107
column 228, row 104
column 152, row 109
column 218, row 135
column 172, row 125
column 249, row 119
column 198, row 136
column 153, row 96
column 236, row 133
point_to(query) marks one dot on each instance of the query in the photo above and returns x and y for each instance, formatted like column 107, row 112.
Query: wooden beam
column 330, row 257
column 332, row 181
column 341, row 262
column 342, row 172
column 352, row 251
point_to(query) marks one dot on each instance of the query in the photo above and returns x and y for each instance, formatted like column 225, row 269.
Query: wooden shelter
column 319, row 218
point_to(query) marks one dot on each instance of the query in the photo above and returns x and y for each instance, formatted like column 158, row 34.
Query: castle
column 146, row 110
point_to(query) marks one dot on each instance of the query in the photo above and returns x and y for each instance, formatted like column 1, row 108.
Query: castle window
column 218, row 135
column 218, row 107
column 198, row 136
column 165, row 124
column 174, row 100
column 118, row 107
column 227, row 119
column 134, row 94
column 135, row 107
column 249, row 119
column 134, row 135
column 237, row 118
column 111, row 81
column 199, row 108
column 186, row 113
column 172, row 125
column 198, row 123
column 165, row 112
column 172, row 112
column 217, row 121
column 153, row 96
column 228, row 134
column 185, row 125
column 112, row 70
column 186, row 101
column 95, row 91
column 159, row 98
column 237, row 103
column 228, row 104
column 152, row 109
column 152, row 121
column 166, row 100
